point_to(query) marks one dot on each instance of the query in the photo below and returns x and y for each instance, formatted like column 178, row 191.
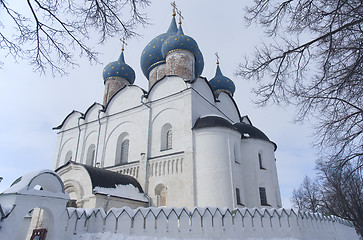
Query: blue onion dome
column 119, row 69
column 222, row 83
column 151, row 55
column 180, row 41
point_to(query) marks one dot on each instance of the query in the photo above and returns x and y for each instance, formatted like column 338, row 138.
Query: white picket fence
column 211, row 223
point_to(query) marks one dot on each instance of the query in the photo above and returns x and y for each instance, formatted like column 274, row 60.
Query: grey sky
column 33, row 104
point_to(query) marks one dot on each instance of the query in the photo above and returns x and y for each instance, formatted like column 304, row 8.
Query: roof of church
column 212, row 121
column 105, row 178
column 174, row 39
column 246, row 130
column 151, row 55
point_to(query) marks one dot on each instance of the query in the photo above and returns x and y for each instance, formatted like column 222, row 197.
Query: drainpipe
column 79, row 135
column 98, row 137
column 147, row 149
column 148, row 200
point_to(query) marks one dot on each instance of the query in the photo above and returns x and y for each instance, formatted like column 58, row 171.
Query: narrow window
column 166, row 141
column 68, row 156
column 263, row 197
column 260, row 161
column 90, row 157
column 238, row 196
column 169, row 139
column 236, row 158
column 124, row 151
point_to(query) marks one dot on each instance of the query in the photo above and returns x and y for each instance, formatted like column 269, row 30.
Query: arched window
column 169, row 139
column 166, row 137
column 160, row 193
column 68, row 156
column 124, row 151
column 90, row 158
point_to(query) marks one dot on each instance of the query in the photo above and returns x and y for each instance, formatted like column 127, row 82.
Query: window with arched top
column 68, row 156
column 166, row 137
column 90, row 157
column 160, row 194
column 169, row 139
column 122, row 150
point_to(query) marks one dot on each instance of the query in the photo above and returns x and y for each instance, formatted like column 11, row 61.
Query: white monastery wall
column 210, row 223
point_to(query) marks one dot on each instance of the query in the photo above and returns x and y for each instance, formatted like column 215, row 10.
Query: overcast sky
column 33, row 104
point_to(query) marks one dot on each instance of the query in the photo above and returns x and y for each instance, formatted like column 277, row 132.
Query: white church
column 176, row 161
column 183, row 142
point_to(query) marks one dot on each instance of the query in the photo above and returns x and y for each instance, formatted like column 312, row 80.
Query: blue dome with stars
column 179, row 41
column 119, row 69
column 151, row 55
column 222, row 83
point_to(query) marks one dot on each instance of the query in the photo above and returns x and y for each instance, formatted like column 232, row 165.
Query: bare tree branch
column 322, row 77
column 54, row 29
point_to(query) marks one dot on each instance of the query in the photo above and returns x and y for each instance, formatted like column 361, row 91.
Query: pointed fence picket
column 211, row 223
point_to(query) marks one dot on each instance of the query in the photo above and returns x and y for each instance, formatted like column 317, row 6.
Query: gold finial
column 123, row 40
column 180, row 16
column 217, row 58
column 174, row 8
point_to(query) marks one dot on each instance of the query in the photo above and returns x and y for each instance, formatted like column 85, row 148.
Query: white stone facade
column 196, row 160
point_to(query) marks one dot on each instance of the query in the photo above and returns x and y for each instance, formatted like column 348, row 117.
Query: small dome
column 222, row 83
column 119, row 69
column 179, row 41
column 151, row 55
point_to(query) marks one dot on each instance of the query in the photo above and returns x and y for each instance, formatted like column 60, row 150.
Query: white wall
column 210, row 223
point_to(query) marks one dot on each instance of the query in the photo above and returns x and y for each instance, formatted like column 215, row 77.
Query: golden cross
column 217, row 58
column 123, row 40
column 180, row 16
column 174, row 7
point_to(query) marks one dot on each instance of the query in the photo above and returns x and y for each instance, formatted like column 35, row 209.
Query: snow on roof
column 124, row 191
column 40, row 183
